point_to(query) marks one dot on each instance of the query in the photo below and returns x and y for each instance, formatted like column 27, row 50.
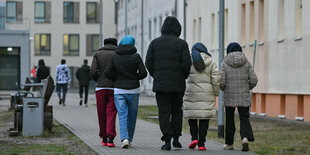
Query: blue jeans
column 127, row 109
column 64, row 87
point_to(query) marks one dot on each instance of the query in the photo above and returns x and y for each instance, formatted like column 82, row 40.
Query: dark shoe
column 81, row 102
column 110, row 142
column 60, row 101
column 176, row 143
column 166, row 147
column 245, row 144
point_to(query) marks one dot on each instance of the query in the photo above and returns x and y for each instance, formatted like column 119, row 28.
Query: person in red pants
column 105, row 92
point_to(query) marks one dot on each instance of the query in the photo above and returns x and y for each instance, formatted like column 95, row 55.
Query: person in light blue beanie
column 128, row 40
column 126, row 69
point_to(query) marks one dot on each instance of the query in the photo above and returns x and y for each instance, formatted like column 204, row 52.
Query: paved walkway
column 83, row 122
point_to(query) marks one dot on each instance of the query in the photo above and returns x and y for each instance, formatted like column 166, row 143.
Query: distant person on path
column 237, row 79
column 83, row 75
column 33, row 73
column 203, row 85
column 168, row 61
column 126, row 69
column 63, row 80
column 42, row 71
column 105, row 92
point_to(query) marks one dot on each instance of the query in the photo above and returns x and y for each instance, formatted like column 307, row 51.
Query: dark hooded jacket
column 42, row 71
column 100, row 62
column 168, row 59
column 83, row 75
column 126, row 68
column 237, row 78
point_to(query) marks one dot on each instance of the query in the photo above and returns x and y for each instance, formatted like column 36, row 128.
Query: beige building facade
column 281, row 59
column 61, row 29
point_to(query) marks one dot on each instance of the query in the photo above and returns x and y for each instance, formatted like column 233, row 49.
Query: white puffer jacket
column 201, row 89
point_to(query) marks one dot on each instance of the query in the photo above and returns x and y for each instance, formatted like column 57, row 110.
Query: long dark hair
column 198, row 62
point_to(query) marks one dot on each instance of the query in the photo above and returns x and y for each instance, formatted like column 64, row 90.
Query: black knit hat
column 112, row 41
column 233, row 47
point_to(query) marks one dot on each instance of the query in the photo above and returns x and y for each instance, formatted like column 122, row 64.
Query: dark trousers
column 86, row 92
column 245, row 125
column 170, row 114
column 106, row 113
column 201, row 131
column 63, row 87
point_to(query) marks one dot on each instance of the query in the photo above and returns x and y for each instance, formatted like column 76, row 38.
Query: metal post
column 221, row 56
column 176, row 8
column 126, row 26
column 184, row 18
column 100, row 28
column 142, row 27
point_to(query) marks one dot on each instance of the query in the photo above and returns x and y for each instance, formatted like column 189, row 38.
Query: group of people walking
column 177, row 73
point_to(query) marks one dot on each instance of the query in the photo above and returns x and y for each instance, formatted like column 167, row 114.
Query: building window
column 160, row 21
column 150, row 30
column 194, row 31
column 252, row 16
column 261, row 20
column 213, row 31
column 155, row 28
column 281, row 20
column 71, row 44
column 298, row 18
column 226, row 28
column 199, row 29
column 14, row 11
column 71, row 12
column 92, row 44
column 243, row 24
column 92, row 12
column 42, row 44
column 42, row 12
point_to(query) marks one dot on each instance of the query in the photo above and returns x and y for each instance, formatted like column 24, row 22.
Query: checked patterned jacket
column 237, row 79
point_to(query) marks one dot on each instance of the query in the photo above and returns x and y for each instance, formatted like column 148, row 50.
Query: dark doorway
column 9, row 67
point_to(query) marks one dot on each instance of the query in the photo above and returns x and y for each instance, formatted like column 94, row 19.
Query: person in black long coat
column 42, row 71
column 168, row 61
column 83, row 75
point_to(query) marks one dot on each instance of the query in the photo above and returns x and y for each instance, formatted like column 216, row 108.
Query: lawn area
column 59, row 141
column 272, row 137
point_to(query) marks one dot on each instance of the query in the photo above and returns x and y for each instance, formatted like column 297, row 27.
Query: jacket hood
column 125, row 50
column 235, row 59
column 41, row 62
column 206, row 59
column 200, row 48
column 85, row 68
column 171, row 26
column 107, row 47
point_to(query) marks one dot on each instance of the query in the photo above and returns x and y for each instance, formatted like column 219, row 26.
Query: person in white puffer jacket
column 63, row 79
column 202, row 86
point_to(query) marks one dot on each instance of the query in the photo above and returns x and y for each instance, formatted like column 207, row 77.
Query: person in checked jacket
column 237, row 79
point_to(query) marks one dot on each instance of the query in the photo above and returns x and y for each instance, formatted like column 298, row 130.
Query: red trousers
column 106, row 113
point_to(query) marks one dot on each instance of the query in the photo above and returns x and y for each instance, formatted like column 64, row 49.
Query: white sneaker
column 125, row 144
column 228, row 147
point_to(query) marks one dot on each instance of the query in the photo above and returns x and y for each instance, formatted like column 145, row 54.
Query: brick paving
column 83, row 123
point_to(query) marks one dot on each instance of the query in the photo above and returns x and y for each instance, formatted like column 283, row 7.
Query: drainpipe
column 184, row 18
column 220, row 129
column 100, row 27
column 142, row 27
column 126, row 26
